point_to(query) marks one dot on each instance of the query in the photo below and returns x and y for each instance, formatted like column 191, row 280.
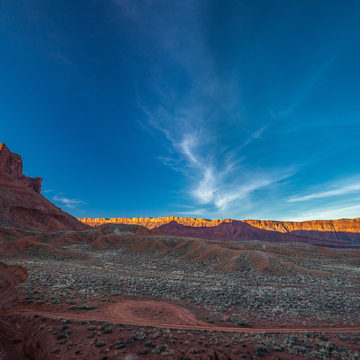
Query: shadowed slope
column 21, row 204
column 236, row 230
column 24, row 208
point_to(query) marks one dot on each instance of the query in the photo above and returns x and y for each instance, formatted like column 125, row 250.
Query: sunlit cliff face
column 342, row 225
column 155, row 222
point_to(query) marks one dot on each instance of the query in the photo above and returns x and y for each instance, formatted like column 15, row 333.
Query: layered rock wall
column 156, row 222
column 346, row 229
column 334, row 229
column 12, row 164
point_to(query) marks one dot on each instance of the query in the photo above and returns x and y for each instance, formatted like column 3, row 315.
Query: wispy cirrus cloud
column 219, row 180
column 303, row 90
column 344, row 187
column 328, row 212
column 70, row 203
column 46, row 190
column 256, row 135
column 199, row 120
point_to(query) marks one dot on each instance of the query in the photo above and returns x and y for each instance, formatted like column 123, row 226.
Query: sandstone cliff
column 343, row 229
column 151, row 223
column 21, row 204
column 12, row 164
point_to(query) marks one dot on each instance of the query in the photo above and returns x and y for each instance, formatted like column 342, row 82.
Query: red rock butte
column 21, row 204
column 12, row 164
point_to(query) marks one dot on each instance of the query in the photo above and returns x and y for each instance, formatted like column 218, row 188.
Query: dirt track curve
column 9, row 290
column 8, row 332
column 146, row 313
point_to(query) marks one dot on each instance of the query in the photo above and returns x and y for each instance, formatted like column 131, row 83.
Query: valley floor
column 119, row 304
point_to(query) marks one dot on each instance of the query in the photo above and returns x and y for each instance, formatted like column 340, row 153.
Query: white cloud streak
column 200, row 142
column 221, row 185
column 70, row 203
column 304, row 90
column 256, row 135
column 344, row 188
column 329, row 213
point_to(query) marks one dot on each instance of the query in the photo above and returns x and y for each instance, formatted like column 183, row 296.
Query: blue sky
column 214, row 109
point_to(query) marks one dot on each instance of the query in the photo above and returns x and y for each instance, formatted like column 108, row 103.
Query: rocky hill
column 21, row 204
column 12, row 164
column 236, row 230
column 240, row 230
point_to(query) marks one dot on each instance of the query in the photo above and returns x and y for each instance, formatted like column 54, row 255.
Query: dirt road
column 8, row 289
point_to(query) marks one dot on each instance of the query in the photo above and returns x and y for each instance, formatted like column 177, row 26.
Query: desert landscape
column 171, row 288
column 179, row 180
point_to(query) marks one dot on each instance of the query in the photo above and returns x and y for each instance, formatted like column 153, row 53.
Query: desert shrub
column 61, row 336
column 150, row 344
column 99, row 343
column 161, row 348
column 104, row 326
column 132, row 337
column 143, row 352
column 243, row 323
column 108, row 330
column 261, row 350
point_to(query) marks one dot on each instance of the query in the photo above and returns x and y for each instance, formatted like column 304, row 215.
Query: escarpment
column 343, row 229
column 12, row 164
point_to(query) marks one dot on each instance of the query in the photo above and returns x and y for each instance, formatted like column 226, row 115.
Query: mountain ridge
column 342, row 229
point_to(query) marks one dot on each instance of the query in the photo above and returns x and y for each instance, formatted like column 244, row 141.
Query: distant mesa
column 152, row 223
column 12, row 164
column 347, row 230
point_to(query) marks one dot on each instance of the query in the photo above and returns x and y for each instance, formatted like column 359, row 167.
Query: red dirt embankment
column 19, row 271
column 18, row 339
